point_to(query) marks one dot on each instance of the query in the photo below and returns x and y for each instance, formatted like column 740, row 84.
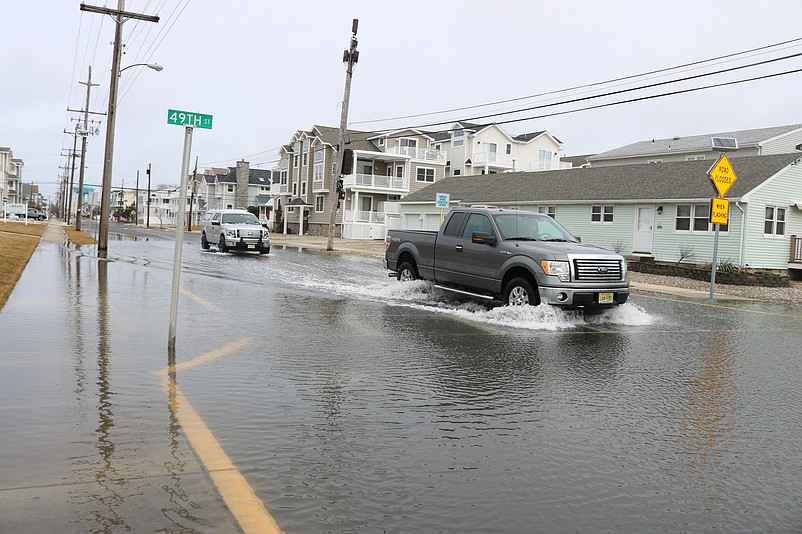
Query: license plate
column 251, row 246
column 606, row 298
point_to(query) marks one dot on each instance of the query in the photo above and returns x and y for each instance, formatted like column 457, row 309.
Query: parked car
column 518, row 257
column 235, row 229
column 33, row 213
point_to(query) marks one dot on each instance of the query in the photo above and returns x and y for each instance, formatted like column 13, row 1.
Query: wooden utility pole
column 147, row 217
column 350, row 57
column 120, row 16
column 192, row 195
column 86, row 112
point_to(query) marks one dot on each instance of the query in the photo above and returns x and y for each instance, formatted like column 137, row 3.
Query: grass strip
column 17, row 243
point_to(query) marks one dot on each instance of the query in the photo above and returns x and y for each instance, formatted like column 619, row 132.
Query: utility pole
column 86, row 112
column 147, row 224
column 120, row 16
column 71, row 167
column 350, row 57
column 192, row 195
column 136, row 200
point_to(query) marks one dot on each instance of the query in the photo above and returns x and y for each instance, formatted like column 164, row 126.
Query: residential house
column 655, row 211
column 10, row 178
column 385, row 167
column 475, row 149
column 234, row 187
column 758, row 142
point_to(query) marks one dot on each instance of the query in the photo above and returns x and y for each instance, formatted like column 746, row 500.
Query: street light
column 105, row 199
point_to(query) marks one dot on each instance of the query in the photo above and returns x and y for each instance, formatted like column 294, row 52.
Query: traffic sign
column 722, row 174
column 189, row 118
column 719, row 211
column 16, row 209
column 442, row 200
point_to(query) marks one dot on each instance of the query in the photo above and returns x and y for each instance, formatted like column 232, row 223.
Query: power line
column 584, row 86
column 612, row 93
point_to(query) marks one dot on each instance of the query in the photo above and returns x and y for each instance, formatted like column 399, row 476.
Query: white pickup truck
column 518, row 257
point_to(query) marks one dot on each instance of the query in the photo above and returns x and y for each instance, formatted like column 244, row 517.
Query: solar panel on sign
column 724, row 143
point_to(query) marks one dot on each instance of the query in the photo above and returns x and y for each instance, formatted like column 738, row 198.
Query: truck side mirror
column 484, row 238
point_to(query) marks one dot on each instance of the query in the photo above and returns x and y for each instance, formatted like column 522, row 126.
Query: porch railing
column 377, row 181
column 422, row 154
column 370, row 217
column 796, row 249
column 492, row 158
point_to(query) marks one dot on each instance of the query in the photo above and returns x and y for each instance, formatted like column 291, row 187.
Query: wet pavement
column 309, row 389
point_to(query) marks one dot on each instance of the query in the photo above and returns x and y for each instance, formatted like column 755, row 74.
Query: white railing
column 553, row 165
column 492, row 158
column 372, row 217
column 421, row 154
column 376, row 181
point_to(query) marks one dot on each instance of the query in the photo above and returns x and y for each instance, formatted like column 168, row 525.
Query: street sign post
column 723, row 176
column 189, row 120
column 441, row 201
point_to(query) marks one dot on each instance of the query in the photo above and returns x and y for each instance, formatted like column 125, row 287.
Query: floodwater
column 358, row 404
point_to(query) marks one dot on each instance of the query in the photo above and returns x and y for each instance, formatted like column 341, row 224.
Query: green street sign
column 189, row 118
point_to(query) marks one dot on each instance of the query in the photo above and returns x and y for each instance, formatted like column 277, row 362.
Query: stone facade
column 764, row 279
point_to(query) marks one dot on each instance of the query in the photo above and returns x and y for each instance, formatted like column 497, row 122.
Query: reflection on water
column 707, row 426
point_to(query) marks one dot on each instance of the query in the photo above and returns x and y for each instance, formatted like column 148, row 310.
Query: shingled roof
column 695, row 142
column 685, row 180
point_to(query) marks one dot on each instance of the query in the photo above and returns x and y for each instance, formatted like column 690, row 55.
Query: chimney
column 243, row 171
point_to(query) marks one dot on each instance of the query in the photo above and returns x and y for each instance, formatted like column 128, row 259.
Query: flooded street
column 351, row 403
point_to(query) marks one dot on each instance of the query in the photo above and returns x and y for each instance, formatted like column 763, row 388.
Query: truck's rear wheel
column 519, row 292
column 407, row 272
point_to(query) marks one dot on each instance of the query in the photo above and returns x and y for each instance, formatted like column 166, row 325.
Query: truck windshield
column 531, row 227
column 240, row 218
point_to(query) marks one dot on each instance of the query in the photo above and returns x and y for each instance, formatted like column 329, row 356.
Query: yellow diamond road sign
column 722, row 175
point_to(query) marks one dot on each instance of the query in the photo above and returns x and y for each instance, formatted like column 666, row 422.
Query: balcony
column 419, row 154
column 364, row 225
column 552, row 165
column 492, row 159
column 376, row 183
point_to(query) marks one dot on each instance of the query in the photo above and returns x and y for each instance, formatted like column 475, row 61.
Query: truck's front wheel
column 519, row 292
column 407, row 272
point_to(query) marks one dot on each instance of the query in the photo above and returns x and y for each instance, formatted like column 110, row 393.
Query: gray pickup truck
column 518, row 257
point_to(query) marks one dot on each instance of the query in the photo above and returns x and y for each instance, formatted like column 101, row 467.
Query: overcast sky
column 267, row 69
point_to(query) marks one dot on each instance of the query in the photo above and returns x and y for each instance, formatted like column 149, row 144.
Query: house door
column 644, row 221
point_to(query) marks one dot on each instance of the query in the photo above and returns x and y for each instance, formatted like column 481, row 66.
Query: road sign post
column 190, row 121
column 723, row 176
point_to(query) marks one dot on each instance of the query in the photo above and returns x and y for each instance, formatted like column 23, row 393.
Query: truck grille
column 597, row 270
column 248, row 234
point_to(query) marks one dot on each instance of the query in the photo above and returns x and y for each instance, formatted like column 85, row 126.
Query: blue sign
column 442, row 200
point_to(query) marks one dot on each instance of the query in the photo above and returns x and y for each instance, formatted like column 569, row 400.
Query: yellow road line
column 249, row 512
column 242, row 502
column 199, row 300
column 719, row 306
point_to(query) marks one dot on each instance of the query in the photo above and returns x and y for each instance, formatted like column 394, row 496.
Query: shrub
column 686, row 252
column 726, row 266
column 618, row 245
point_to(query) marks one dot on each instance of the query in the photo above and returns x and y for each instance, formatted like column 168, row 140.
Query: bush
column 726, row 266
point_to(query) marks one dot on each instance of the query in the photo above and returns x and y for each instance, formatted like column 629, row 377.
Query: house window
column 399, row 171
column 695, row 218
column 306, row 159
column 601, row 214
column 389, row 170
column 774, row 224
column 509, row 149
column 295, row 189
column 295, row 161
column 457, row 172
column 544, row 158
column 425, row 174
column 303, row 189
column 230, row 188
column 551, row 211
column 318, row 172
column 458, row 136
column 283, row 177
column 699, row 157
column 319, row 204
column 381, row 141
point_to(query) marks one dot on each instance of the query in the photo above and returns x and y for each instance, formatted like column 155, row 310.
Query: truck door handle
column 459, row 248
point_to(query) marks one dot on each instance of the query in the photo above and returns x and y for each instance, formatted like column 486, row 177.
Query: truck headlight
column 265, row 234
column 559, row 269
column 231, row 233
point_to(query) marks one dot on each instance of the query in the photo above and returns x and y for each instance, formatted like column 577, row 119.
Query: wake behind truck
column 515, row 256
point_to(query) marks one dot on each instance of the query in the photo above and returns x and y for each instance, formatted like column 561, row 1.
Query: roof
column 255, row 176
column 694, row 142
column 355, row 139
column 682, row 180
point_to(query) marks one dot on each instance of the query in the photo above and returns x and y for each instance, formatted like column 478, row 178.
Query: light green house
column 659, row 210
